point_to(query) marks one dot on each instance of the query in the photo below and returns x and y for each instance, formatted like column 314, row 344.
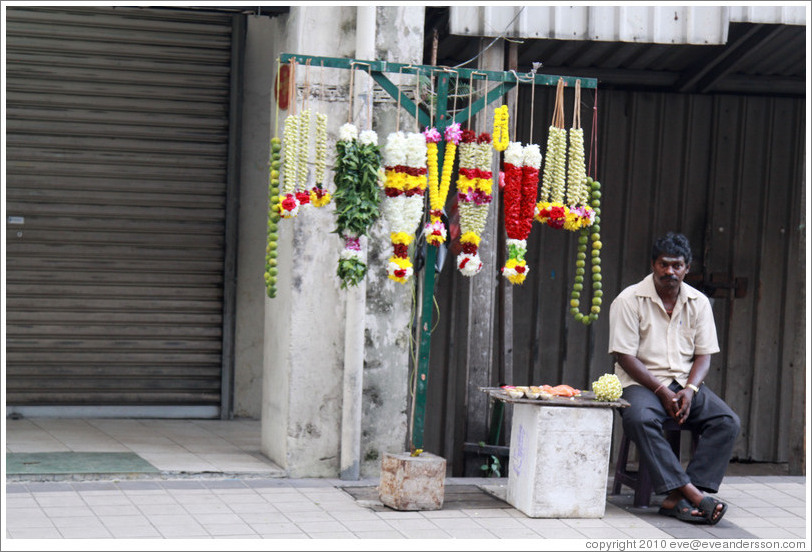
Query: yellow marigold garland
column 500, row 128
column 438, row 192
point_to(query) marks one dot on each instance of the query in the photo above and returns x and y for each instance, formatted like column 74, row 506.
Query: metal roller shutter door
column 117, row 150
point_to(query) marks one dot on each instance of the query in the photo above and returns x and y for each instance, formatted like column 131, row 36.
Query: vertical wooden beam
column 506, row 288
column 482, row 300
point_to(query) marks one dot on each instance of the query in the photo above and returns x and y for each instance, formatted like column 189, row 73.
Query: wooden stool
column 640, row 480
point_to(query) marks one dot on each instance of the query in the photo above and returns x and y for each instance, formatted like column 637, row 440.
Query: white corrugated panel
column 650, row 24
column 117, row 147
column 787, row 15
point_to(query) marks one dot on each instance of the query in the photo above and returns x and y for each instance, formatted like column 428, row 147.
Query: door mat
column 40, row 463
column 456, row 497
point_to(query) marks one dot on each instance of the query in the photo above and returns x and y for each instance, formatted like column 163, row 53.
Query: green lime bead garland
column 273, row 218
column 585, row 234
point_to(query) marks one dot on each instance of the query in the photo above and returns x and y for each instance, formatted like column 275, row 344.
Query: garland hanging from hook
column 405, row 158
column 357, row 199
column 474, row 191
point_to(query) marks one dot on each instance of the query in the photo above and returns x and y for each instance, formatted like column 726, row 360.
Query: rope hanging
column 431, row 103
column 456, row 93
column 593, row 141
column 352, row 91
column 417, row 101
column 515, row 107
column 306, row 100
column 532, row 107
column 370, row 97
column 470, row 100
column 397, row 86
column 278, row 91
column 321, row 83
column 292, row 88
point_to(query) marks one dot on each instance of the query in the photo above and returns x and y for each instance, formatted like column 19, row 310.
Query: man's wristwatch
column 693, row 388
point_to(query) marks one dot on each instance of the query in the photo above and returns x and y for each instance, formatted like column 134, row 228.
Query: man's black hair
column 672, row 244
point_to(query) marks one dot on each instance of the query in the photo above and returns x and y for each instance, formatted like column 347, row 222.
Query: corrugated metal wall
column 725, row 170
column 117, row 150
column 667, row 24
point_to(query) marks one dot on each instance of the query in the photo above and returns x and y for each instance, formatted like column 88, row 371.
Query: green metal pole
column 418, row 427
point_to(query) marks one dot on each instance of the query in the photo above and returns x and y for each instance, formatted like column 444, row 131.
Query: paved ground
column 210, row 481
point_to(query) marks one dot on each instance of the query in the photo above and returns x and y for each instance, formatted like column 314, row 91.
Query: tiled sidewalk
column 214, row 483
column 321, row 509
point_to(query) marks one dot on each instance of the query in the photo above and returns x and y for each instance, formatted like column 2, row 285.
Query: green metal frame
column 504, row 82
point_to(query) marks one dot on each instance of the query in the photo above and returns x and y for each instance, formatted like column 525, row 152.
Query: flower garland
column 565, row 172
column 587, row 233
column 474, row 196
column 289, row 202
column 435, row 233
column 405, row 164
column 521, row 187
column 273, row 218
column 435, row 229
column 500, row 128
column 356, row 197
column 320, row 197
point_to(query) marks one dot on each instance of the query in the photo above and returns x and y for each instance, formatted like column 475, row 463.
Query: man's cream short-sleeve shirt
column 640, row 326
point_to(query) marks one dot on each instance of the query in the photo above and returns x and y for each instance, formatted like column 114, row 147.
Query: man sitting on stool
column 662, row 334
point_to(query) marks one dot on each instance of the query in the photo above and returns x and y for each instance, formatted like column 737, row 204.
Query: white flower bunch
column 394, row 152
column 514, row 154
column 607, row 388
column 347, row 132
column 416, row 149
column 368, row 137
column 531, row 156
column 468, row 264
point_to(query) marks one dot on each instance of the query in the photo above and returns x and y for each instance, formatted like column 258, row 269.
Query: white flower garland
column 403, row 207
column 321, row 147
column 303, row 149
column 290, row 141
column 577, row 192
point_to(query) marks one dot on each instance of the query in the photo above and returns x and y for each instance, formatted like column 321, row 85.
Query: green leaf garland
column 357, row 196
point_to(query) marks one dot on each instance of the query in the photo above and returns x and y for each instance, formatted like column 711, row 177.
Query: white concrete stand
column 559, row 460
column 412, row 482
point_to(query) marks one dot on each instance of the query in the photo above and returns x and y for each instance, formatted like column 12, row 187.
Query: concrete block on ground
column 559, row 461
column 412, row 482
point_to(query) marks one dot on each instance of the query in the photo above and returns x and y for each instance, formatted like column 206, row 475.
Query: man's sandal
column 682, row 511
column 707, row 508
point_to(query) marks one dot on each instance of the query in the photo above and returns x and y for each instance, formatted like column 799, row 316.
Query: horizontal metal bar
column 476, row 74
column 496, row 450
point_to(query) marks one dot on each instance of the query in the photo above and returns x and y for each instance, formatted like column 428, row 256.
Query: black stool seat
column 640, row 480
